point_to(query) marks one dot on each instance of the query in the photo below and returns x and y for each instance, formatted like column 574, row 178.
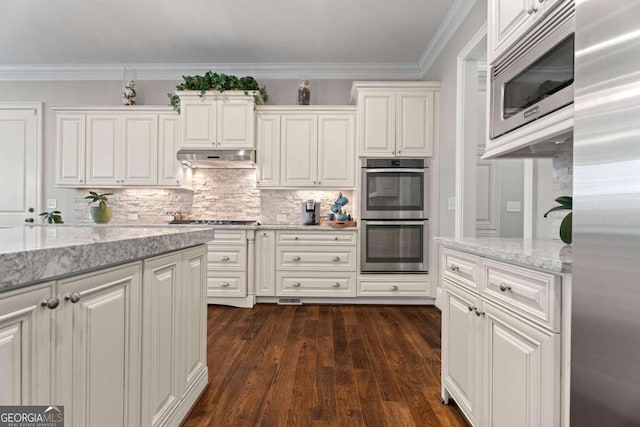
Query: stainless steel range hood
column 217, row 159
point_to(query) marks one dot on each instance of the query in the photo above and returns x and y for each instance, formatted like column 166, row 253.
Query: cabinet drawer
column 231, row 285
column 310, row 258
column 460, row 267
column 390, row 288
column 321, row 237
column 316, row 284
column 532, row 294
column 226, row 257
column 230, row 236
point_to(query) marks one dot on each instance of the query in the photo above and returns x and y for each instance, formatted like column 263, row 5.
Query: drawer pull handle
column 336, row 285
column 225, row 258
column 264, row 234
column 295, row 238
column 336, row 258
column 225, row 285
column 455, row 267
column 479, row 313
column 296, row 285
column 296, row 258
column 504, row 287
column 335, row 238
column 394, row 288
column 74, row 297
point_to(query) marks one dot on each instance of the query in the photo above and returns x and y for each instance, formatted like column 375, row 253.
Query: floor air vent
column 289, row 301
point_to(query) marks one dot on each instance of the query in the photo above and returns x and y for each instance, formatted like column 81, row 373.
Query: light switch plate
column 451, row 204
column 52, row 203
column 514, row 207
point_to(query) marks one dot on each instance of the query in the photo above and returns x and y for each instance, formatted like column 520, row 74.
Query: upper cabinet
column 217, row 120
column 396, row 118
column 117, row 147
column 306, row 147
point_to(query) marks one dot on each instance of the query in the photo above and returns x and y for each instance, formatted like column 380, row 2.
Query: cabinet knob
column 532, row 10
column 455, row 267
column 394, row 288
column 264, row 234
column 29, row 220
column 296, row 285
column 336, row 285
column 31, row 210
column 295, row 238
column 470, row 308
column 479, row 313
column 225, row 258
column 74, row 297
column 336, row 258
column 82, row 180
column 504, row 287
column 225, row 285
column 335, row 238
column 50, row 303
column 296, row 258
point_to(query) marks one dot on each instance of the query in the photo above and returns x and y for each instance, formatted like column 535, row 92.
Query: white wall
column 444, row 70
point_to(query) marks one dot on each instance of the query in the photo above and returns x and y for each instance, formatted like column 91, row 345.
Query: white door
column 139, row 149
column 103, row 149
column 376, row 117
column 20, row 169
column 268, row 150
column 25, row 346
column 336, row 151
column 70, row 143
column 522, row 372
column 194, row 324
column 235, row 123
column 97, row 373
column 298, row 162
column 414, row 124
column 168, row 145
column 198, row 123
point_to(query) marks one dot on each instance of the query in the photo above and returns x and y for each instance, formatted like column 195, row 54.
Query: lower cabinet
column 228, row 268
column 265, row 263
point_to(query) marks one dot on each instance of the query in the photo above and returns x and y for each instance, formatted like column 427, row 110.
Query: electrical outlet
column 52, row 203
column 281, row 217
column 451, row 204
column 514, row 207
column 133, row 217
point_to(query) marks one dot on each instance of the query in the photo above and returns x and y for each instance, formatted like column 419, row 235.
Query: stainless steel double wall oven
column 395, row 213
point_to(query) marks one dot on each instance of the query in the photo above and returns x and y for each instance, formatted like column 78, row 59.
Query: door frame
column 37, row 109
column 468, row 54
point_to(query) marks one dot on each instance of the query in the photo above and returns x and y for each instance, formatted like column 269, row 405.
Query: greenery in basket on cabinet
column 220, row 82
column 53, row 217
column 566, row 203
column 102, row 212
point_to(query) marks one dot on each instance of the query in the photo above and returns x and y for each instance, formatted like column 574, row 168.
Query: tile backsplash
column 217, row 193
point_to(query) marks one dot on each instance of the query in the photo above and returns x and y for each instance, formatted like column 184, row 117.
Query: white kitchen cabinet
column 103, row 149
column 298, row 151
column 396, row 118
column 217, row 120
column 336, row 150
column 265, row 263
column 97, row 348
column 139, row 149
column 25, row 345
column 170, row 171
column 70, row 149
column 268, row 150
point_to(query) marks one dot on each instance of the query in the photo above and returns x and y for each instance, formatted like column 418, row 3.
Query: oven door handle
column 392, row 222
column 373, row 170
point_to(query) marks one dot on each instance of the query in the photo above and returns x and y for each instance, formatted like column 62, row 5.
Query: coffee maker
column 310, row 212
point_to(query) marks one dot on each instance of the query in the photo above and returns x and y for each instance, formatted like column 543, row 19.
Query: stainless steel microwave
column 535, row 77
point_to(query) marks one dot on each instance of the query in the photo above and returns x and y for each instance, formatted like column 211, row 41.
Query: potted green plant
column 566, row 203
column 53, row 217
column 101, row 213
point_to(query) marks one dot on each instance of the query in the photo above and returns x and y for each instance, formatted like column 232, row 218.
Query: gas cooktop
column 214, row 222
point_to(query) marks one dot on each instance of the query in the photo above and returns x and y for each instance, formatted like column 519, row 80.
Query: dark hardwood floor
column 323, row 365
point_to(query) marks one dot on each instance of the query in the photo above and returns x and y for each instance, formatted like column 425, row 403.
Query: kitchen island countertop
column 31, row 254
column 548, row 255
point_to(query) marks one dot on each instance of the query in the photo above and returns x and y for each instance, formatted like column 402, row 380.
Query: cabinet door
column 265, row 263
column 198, row 123
column 414, row 124
column 97, row 349
column 268, row 150
column 522, row 372
column 336, row 151
column 298, row 161
column 169, row 173
column 235, row 123
column 70, row 140
column 25, row 347
column 461, row 350
column 508, row 20
column 103, row 149
column 161, row 337
column 376, row 117
column 140, row 149
column 194, row 324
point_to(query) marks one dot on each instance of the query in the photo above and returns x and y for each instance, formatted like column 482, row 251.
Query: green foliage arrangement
column 566, row 203
column 219, row 82
column 101, row 199
column 52, row 217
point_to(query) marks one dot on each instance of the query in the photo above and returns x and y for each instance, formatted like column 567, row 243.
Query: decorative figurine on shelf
column 129, row 94
column 304, row 93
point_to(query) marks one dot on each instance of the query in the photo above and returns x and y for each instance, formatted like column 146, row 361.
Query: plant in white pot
column 101, row 213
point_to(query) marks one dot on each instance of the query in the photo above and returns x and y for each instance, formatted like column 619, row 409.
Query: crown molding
column 448, row 27
column 351, row 71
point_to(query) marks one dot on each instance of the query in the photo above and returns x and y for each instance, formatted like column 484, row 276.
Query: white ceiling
column 324, row 35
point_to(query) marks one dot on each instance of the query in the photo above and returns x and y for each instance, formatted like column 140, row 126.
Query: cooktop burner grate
column 214, row 222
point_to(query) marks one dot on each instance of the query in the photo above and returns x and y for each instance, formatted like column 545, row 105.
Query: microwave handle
column 392, row 222
column 370, row 170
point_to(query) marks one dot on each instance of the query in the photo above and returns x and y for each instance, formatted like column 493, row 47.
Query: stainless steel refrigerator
column 605, row 353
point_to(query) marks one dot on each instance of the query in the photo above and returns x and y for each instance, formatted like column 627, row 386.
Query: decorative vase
column 101, row 216
column 304, row 92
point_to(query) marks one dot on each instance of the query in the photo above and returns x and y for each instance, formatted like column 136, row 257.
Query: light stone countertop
column 549, row 255
column 30, row 254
